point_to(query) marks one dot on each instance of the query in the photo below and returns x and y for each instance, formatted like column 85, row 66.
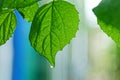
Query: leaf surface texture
column 54, row 25
column 7, row 25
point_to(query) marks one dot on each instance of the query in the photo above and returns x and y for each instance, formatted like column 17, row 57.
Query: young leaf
column 108, row 15
column 29, row 11
column 7, row 25
column 54, row 25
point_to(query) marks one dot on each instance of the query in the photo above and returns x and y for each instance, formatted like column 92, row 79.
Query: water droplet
column 51, row 67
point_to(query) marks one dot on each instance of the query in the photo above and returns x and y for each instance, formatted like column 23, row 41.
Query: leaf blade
column 7, row 25
column 108, row 17
column 52, row 28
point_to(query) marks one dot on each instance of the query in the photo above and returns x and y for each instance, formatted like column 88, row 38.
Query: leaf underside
column 108, row 16
column 54, row 25
column 7, row 25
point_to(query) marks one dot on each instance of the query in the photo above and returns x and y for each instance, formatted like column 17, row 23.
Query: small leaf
column 29, row 11
column 7, row 25
column 54, row 25
column 108, row 15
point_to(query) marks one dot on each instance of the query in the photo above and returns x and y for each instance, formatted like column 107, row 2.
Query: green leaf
column 13, row 4
column 29, row 11
column 108, row 16
column 7, row 25
column 54, row 25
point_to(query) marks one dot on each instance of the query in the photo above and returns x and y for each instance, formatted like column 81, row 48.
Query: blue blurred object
column 27, row 64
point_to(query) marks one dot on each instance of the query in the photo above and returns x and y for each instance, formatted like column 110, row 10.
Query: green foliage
column 108, row 15
column 56, row 23
column 7, row 25
column 8, row 19
column 53, row 28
